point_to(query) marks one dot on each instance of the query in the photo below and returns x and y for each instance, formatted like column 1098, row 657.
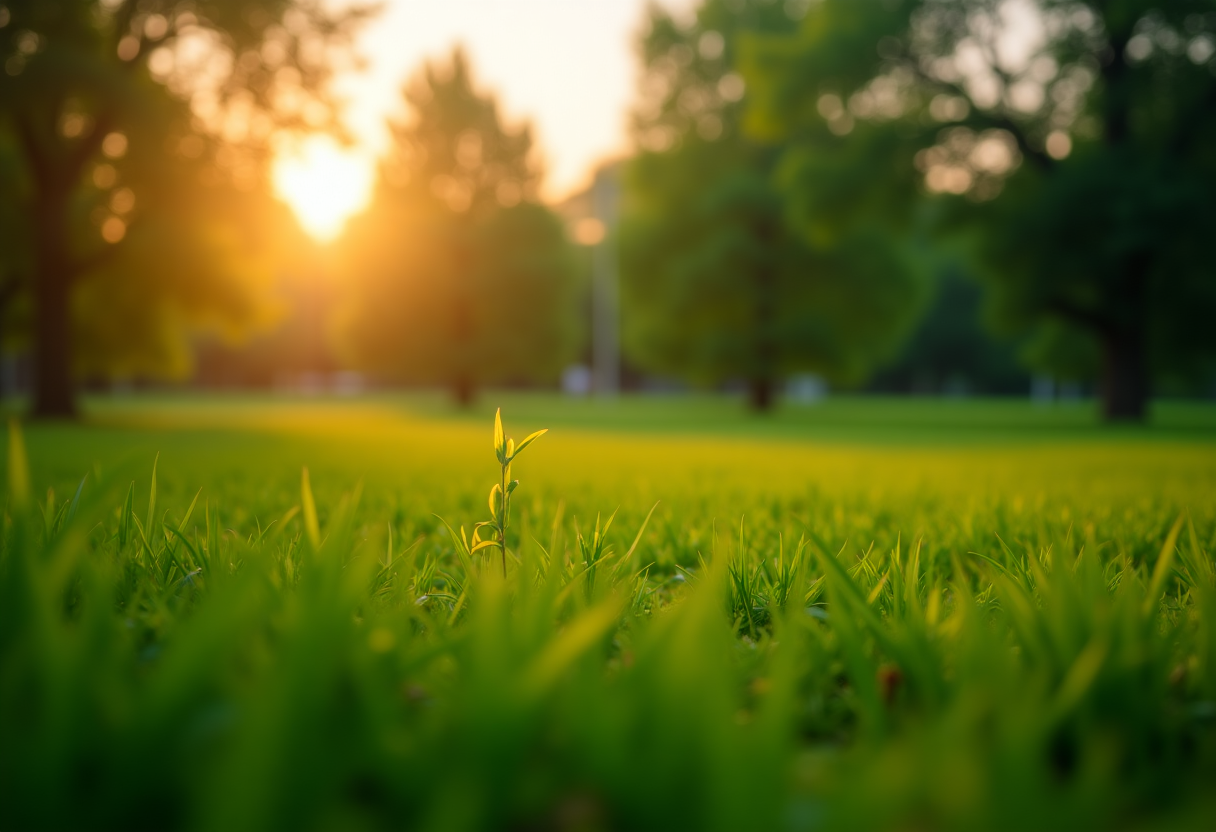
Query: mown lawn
column 860, row 614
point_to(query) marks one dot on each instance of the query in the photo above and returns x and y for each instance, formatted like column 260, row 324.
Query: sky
column 567, row 66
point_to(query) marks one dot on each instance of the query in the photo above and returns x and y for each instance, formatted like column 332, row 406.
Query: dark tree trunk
column 760, row 394
column 463, row 390
column 761, row 388
column 54, row 389
column 1124, row 377
column 55, row 171
column 8, row 293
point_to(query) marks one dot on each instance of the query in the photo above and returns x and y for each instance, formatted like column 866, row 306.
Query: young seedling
column 500, row 495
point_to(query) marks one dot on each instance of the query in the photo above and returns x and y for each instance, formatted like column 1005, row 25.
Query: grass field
column 861, row 614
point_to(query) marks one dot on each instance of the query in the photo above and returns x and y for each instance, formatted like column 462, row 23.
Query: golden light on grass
column 324, row 184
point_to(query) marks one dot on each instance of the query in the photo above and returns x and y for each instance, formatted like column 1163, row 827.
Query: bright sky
column 568, row 66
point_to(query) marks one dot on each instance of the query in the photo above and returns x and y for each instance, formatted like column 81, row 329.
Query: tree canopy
column 457, row 274
column 721, row 282
column 142, row 130
column 1074, row 141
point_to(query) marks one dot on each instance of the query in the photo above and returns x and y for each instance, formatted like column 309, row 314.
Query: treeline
column 901, row 193
column 815, row 170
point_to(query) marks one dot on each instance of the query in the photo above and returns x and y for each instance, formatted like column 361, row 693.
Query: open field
column 854, row 615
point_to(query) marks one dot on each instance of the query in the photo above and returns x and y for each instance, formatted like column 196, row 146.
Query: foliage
column 1079, row 134
column 457, row 275
column 1034, row 650
column 499, row 499
column 951, row 349
column 142, row 130
column 717, row 283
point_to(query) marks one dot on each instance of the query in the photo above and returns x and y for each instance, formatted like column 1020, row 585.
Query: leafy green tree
column 719, row 281
column 458, row 275
column 1077, row 141
column 143, row 129
column 951, row 348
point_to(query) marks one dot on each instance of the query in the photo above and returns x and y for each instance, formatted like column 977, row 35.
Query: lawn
column 857, row 614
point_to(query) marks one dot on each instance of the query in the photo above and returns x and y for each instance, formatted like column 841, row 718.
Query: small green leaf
column 485, row 544
column 495, row 495
column 529, row 440
column 500, row 446
column 512, row 485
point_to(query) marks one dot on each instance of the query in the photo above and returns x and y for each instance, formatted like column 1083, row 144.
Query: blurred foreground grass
column 856, row 615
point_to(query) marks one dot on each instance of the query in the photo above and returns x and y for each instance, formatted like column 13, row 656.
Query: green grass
column 855, row 615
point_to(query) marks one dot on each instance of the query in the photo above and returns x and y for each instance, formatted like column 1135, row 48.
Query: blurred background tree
column 15, row 265
column 457, row 274
column 1077, row 142
column 719, row 280
column 951, row 349
column 143, row 130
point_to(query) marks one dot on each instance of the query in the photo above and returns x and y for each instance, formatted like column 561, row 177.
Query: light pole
column 605, row 286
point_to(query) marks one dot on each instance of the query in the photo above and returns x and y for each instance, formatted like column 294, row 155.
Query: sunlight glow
column 324, row 183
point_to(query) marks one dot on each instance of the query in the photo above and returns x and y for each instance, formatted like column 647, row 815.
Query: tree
column 143, row 129
column 951, row 349
column 1077, row 141
column 458, row 276
column 15, row 266
column 718, row 281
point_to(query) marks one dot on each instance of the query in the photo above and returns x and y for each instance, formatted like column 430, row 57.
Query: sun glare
column 324, row 184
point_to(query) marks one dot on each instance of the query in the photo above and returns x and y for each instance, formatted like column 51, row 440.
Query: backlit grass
column 993, row 617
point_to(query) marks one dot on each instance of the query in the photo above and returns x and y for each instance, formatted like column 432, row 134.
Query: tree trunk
column 1124, row 378
column 463, row 390
column 8, row 293
column 761, row 388
column 54, row 389
column 760, row 394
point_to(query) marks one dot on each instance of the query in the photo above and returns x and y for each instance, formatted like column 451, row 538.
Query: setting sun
column 324, row 184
